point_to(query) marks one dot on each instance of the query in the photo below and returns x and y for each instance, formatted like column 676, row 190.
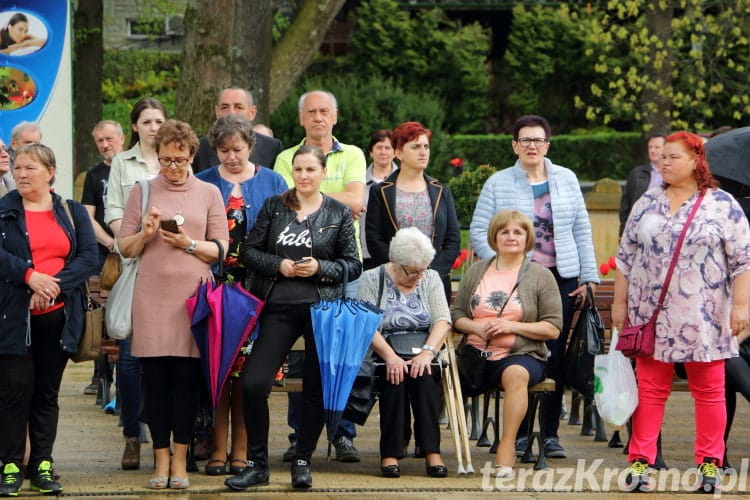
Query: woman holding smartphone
column 294, row 254
column 172, row 265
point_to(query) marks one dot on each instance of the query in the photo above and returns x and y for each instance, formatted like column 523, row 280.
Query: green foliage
column 366, row 105
column 545, row 63
column 426, row 50
column 707, row 48
column 591, row 157
column 465, row 190
column 136, row 73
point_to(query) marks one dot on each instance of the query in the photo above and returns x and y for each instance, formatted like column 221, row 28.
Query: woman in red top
column 47, row 252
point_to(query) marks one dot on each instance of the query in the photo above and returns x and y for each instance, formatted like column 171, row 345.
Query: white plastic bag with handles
column 615, row 388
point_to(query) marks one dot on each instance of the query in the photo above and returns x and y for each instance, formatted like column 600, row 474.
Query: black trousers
column 423, row 393
column 172, row 398
column 555, row 363
column 280, row 326
column 29, row 387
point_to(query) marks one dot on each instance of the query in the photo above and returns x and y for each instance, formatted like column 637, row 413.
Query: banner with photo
column 35, row 77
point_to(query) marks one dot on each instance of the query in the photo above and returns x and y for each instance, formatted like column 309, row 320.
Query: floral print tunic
column 694, row 324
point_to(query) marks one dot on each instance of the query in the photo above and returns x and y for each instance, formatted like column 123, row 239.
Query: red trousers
column 706, row 382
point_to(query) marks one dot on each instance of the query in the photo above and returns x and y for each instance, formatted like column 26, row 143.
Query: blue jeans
column 294, row 410
column 129, row 388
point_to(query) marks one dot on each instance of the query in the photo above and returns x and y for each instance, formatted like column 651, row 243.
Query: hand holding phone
column 169, row 225
column 303, row 260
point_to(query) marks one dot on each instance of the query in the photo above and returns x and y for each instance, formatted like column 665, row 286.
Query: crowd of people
column 290, row 224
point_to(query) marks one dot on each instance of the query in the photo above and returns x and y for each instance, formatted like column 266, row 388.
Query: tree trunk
column 656, row 102
column 87, row 83
column 294, row 53
column 206, row 60
column 251, row 52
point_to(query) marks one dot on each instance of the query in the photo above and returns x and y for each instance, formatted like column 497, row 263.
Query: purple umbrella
column 234, row 313
column 199, row 311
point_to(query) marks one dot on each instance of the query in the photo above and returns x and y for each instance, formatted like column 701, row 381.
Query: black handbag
column 471, row 361
column 406, row 344
column 362, row 398
column 586, row 342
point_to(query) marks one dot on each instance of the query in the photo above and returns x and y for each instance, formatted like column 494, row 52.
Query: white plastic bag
column 615, row 389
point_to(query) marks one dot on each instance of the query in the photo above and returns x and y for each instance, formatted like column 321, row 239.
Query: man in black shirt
column 238, row 101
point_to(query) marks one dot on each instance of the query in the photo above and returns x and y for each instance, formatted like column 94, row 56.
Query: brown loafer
column 131, row 457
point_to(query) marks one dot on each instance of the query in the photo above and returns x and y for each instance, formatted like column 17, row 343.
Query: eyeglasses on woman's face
column 412, row 274
column 528, row 141
column 166, row 161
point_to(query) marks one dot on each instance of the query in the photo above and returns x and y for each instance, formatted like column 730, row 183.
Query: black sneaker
column 254, row 474
column 709, row 471
column 637, row 478
column 12, row 480
column 43, row 480
column 290, row 452
column 301, row 475
column 553, row 448
column 345, row 450
column 521, row 444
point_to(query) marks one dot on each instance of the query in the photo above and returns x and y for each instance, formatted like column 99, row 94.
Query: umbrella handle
column 220, row 263
column 344, row 277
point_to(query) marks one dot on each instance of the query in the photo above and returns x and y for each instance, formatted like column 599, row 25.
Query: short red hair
column 407, row 132
column 695, row 144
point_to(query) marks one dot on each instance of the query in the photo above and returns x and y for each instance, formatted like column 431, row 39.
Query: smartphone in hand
column 169, row 225
column 303, row 260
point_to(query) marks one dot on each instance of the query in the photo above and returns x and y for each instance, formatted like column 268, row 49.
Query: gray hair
column 304, row 96
column 22, row 127
column 410, row 247
column 227, row 127
column 104, row 123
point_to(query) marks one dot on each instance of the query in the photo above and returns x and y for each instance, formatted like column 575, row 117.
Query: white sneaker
column 504, row 472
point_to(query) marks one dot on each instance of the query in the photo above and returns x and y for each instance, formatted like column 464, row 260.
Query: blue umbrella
column 343, row 331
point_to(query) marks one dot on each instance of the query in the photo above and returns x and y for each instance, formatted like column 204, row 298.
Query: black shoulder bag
column 471, row 361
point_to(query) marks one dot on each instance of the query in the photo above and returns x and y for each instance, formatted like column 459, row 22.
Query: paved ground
column 89, row 447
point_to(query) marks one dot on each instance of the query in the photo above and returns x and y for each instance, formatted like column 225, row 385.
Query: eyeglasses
column 412, row 274
column 527, row 141
column 3, row 149
column 165, row 161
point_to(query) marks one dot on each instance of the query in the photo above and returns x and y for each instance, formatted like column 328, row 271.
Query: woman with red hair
column 411, row 198
column 706, row 303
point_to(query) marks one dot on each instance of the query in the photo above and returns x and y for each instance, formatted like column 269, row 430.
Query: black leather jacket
column 332, row 233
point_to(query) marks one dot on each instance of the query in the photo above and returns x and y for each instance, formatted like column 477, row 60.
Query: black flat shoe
column 390, row 471
column 217, row 468
column 301, row 475
column 437, row 471
column 252, row 475
column 236, row 466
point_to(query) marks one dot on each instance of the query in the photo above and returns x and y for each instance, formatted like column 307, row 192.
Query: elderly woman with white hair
column 414, row 302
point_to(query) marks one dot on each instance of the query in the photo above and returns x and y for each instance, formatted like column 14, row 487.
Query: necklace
column 178, row 218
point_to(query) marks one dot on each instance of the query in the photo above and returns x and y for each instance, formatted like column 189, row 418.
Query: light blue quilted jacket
column 509, row 189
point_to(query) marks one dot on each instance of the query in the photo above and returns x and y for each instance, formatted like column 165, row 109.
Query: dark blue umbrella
column 343, row 331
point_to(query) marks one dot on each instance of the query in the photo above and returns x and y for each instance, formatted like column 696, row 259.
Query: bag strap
column 145, row 195
column 220, row 263
column 676, row 254
column 85, row 284
column 507, row 299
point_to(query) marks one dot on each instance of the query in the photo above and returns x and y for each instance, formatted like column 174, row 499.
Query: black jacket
column 381, row 225
column 15, row 260
column 332, row 233
column 635, row 186
column 264, row 153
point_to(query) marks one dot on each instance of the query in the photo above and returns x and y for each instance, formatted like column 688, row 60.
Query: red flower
column 463, row 254
column 457, row 162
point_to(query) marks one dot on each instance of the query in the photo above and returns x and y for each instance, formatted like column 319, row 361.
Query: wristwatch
column 428, row 347
column 192, row 246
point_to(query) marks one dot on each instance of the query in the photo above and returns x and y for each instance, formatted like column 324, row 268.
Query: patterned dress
column 694, row 324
